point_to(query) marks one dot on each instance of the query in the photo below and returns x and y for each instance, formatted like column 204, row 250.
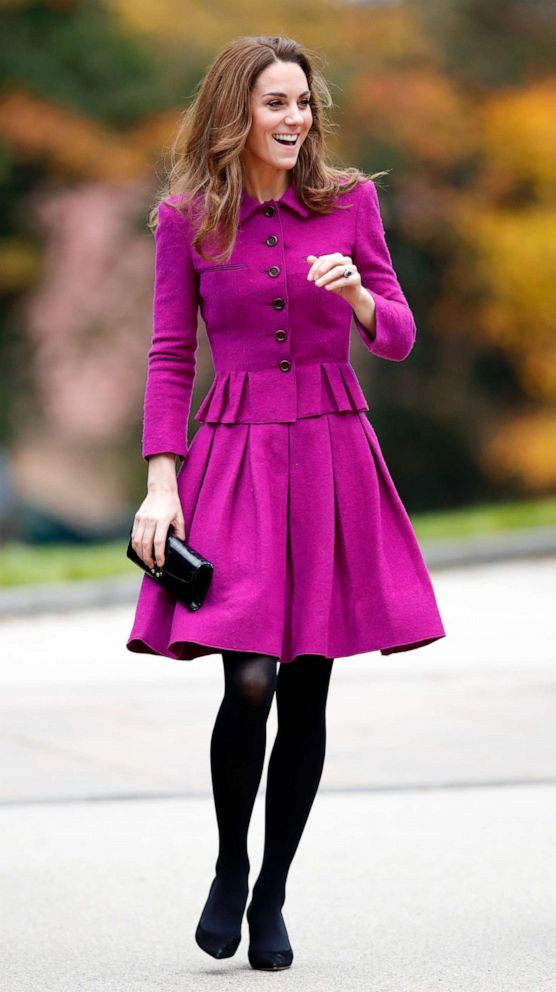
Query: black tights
column 295, row 766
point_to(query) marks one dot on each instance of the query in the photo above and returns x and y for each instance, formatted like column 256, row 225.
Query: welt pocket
column 225, row 267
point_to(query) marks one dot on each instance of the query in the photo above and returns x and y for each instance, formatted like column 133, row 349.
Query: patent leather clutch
column 185, row 573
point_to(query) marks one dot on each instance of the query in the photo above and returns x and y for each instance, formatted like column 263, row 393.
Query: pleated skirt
column 313, row 550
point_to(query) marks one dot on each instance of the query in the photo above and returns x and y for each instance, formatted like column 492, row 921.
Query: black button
column 269, row 211
column 274, row 271
column 280, row 335
column 285, row 365
column 271, row 241
column 278, row 303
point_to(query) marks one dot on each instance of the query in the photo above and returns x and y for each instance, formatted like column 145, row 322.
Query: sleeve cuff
column 395, row 329
column 154, row 446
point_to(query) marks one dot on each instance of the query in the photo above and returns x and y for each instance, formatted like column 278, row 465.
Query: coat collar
column 289, row 199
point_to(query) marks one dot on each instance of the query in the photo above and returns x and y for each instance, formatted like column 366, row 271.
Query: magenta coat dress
column 284, row 486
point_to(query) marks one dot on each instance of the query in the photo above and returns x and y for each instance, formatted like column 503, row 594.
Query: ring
column 347, row 273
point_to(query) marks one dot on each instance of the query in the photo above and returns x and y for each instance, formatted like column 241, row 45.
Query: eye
column 274, row 102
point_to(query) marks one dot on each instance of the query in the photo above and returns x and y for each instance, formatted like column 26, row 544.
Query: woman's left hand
column 327, row 271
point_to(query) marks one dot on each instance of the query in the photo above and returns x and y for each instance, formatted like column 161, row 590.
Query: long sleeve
column 171, row 359
column 395, row 325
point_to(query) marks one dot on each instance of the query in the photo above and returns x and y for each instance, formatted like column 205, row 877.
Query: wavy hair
column 206, row 170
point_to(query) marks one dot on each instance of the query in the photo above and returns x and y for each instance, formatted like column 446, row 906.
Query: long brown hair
column 205, row 164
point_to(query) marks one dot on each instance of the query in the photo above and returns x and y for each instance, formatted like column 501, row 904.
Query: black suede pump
column 262, row 957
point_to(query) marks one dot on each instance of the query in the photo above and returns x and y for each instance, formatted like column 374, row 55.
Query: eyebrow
column 285, row 94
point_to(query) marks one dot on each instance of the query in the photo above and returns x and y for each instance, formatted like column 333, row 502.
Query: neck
column 264, row 188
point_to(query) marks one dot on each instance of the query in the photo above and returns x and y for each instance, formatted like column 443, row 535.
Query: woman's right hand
column 160, row 509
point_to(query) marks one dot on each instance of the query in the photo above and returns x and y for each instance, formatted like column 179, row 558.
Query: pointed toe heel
column 261, row 958
column 218, row 945
column 270, row 960
column 215, row 945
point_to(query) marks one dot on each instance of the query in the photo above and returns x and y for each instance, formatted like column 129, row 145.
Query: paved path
column 429, row 858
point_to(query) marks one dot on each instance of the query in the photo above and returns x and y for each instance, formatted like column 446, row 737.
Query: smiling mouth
column 285, row 142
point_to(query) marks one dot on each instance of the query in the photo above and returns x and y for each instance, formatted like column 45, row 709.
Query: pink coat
column 284, row 486
column 280, row 344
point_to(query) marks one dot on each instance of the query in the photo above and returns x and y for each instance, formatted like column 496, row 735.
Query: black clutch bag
column 185, row 573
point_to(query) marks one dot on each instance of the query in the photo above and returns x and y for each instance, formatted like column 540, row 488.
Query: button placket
column 273, row 272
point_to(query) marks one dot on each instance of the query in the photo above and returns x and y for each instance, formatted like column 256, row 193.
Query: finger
column 312, row 259
column 320, row 270
column 134, row 531
column 331, row 273
column 338, row 280
column 158, row 553
column 320, row 262
column 147, row 544
column 340, row 283
column 323, row 264
column 179, row 526
column 137, row 537
column 160, row 542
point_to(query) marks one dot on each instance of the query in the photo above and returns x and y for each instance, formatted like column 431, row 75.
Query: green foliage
column 81, row 57
column 492, row 43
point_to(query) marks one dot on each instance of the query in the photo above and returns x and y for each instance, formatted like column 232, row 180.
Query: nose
column 295, row 117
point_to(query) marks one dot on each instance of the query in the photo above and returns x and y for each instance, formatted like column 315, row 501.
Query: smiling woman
column 280, row 117
column 284, row 487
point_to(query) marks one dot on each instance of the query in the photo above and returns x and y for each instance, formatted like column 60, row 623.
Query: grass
column 24, row 564
column 21, row 564
column 486, row 519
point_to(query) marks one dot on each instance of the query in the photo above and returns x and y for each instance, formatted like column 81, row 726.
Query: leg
column 237, row 753
column 294, row 772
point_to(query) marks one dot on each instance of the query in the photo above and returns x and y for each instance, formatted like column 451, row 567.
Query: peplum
column 266, row 396
column 284, row 486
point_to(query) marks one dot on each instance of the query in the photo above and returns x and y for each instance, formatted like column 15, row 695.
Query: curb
column 445, row 553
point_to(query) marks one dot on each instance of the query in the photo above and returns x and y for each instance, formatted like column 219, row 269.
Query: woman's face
column 279, row 106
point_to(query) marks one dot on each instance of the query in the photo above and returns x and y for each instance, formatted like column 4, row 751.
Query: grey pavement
column 429, row 858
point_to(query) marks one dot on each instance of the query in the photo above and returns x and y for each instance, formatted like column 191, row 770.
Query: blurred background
column 457, row 99
column 433, row 829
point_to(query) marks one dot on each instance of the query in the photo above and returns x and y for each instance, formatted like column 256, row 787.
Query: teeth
column 291, row 138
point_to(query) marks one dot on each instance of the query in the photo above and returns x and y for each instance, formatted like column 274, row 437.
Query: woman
column 284, row 486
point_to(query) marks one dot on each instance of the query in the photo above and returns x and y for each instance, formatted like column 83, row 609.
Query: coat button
column 278, row 303
column 285, row 365
column 280, row 335
column 274, row 271
column 271, row 241
column 269, row 211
